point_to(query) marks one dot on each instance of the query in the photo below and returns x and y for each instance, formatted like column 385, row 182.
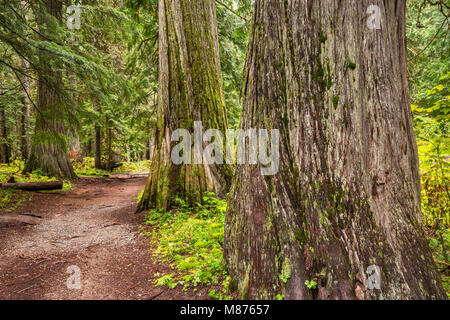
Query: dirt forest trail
column 93, row 227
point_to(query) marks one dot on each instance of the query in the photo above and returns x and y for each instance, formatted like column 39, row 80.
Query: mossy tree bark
column 190, row 89
column 347, row 195
column 49, row 149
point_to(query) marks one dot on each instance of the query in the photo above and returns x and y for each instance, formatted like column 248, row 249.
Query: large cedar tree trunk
column 49, row 150
column 347, row 195
column 190, row 89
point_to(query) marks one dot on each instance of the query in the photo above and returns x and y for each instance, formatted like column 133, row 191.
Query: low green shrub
column 191, row 241
column 11, row 199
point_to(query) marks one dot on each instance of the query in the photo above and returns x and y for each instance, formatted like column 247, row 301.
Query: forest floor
column 92, row 226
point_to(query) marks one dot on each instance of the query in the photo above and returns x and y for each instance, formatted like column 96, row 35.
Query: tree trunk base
column 51, row 161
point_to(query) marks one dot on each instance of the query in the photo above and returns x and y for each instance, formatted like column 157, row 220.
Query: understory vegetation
column 86, row 168
column 190, row 240
column 429, row 74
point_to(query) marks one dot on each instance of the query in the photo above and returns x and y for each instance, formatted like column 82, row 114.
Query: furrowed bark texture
column 48, row 151
column 347, row 195
column 190, row 89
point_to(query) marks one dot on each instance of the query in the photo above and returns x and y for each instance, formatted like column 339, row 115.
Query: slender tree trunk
column 98, row 129
column 190, row 89
column 24, row 130
column 150, row 143
column 346, row 198
column 98, row 147
column 109, row 161
column 98, row 144
column 72, row 132
column 49, row 150
column 87, row 148
column 128, row 154
column 148, row 151
column 150, row 148
column 73, row 141
column 25, row 141
column 5, row 151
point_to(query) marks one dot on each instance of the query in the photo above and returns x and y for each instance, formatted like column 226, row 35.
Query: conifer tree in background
column 49, row 149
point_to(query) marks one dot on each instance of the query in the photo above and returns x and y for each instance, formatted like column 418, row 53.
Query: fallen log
column 33, row 186
column 124, row 176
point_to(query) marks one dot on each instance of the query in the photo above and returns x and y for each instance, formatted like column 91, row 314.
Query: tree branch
column 232, row 11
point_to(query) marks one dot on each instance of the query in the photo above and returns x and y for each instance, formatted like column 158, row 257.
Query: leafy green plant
column 191, row 240
column 139, row 197
column 432, row 127
column 12, row 199
column 166, row 280
column 284, row 278
column 86, row 168
column 311, row 284
column 133, row 167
